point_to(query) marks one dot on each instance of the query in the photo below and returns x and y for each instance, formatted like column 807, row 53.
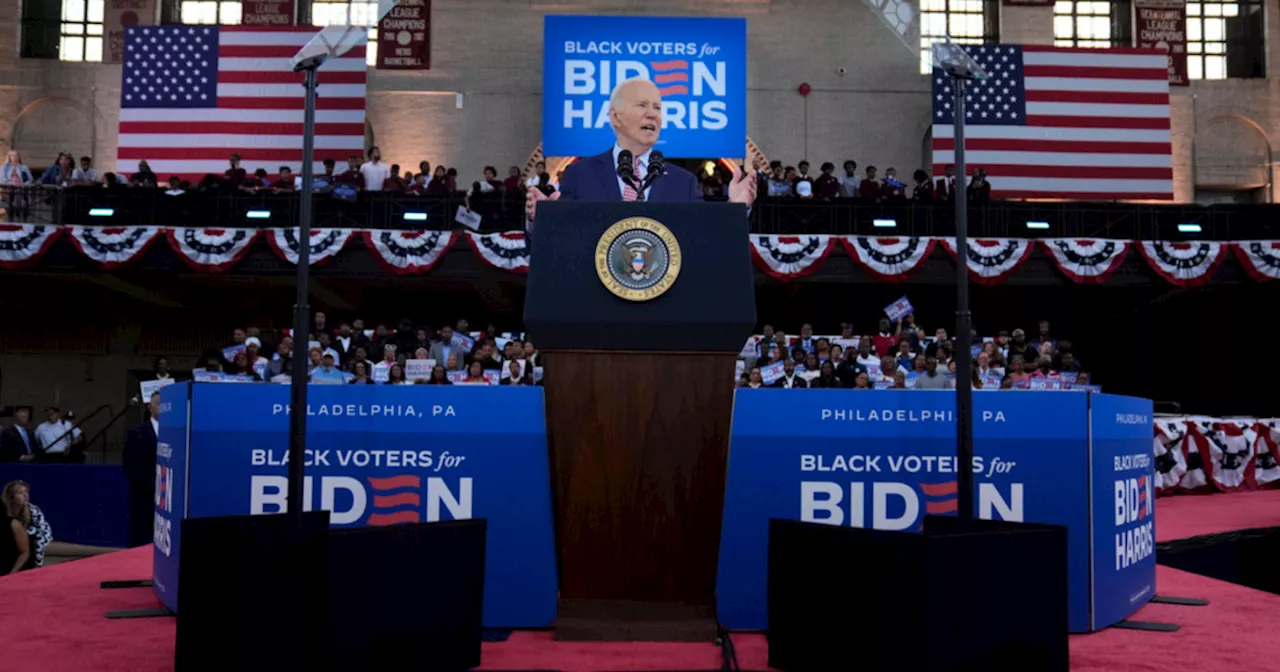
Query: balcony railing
column 377, row 210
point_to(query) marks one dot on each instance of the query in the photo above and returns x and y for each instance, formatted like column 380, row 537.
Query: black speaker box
column 1245, row 557
column 988, row 599
column 407, row 596
column 252, row 593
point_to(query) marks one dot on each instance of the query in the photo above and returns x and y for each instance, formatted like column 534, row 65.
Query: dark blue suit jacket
column 596, row 179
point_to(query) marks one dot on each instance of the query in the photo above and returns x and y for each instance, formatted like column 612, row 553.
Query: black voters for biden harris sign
column 698, row 64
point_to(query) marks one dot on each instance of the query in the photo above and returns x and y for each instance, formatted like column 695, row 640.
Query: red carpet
column 1183, row 516
column 55, row 619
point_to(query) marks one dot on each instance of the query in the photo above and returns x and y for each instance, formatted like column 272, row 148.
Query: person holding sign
column 623, row 172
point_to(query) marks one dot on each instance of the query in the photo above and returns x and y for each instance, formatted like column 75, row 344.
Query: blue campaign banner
column 1124, row 558
column 886, row 459
column 698, row 64
column 380, row 455
column 171, row 491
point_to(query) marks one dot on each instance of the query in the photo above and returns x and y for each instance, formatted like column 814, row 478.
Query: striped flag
column 193, row 95
column 1063, row 123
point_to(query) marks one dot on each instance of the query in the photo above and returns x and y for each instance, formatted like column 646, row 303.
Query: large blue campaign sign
column 884, row 460
column 171, row 491
column 1124, row 558
column 699, row 65
column 380, row 455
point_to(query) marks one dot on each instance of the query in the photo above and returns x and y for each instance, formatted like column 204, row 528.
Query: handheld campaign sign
column 380, row 455
column 899, row 309
column 886, row 460
column 698, row 64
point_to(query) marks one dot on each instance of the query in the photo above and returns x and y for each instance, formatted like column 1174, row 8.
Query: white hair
column 617, row 90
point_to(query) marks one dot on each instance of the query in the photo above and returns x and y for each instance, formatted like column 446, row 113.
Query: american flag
column 1063, row 123
column 193, row 95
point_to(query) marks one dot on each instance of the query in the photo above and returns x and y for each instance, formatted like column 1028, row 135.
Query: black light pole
column 301, row 310
column 964, row 322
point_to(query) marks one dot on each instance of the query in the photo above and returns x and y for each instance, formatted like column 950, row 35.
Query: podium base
column 588, row 620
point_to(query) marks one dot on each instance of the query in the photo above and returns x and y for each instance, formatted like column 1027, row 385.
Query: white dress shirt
column 54, row 436
column 155, row 426
column 641, row 170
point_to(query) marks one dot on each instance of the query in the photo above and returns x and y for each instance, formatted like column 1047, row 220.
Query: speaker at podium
column 641, row 309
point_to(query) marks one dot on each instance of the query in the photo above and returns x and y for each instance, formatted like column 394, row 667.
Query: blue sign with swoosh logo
column 698, row 64
column 885, row 460
column 382, row 455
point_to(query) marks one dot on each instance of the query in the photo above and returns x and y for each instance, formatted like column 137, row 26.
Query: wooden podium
column 639, row 398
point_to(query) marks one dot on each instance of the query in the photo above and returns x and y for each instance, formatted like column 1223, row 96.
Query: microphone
column 627, row 171
column 657, row 168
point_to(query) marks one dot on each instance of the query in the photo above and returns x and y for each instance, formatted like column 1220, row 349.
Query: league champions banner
column 885, row 460
column 1124, row 544
column 698, row 64
column 171, row 491
column 381, row 455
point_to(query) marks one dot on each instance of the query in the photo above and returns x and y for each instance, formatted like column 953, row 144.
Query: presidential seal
column 638, row 259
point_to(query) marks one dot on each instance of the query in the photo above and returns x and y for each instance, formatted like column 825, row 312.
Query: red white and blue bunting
column 789, row 257
column 211, row 250
column 1185, row 264
column 1196, row 454
column 785, row 257
column 1084, row 260
column 991, row 260
column 888, row 259
column 1260, row 258
column 508, row 251
column 113, row 246
column 324, row 243
column 22, row 245
column 409, row 252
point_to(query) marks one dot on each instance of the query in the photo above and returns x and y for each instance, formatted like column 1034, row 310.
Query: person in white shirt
column 85, row 174
column 850, row 182
column 56, row 435
column 375, row 172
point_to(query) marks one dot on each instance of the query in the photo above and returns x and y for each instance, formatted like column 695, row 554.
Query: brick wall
column 490, row 52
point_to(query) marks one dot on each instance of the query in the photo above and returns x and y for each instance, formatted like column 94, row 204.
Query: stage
column 57, row 615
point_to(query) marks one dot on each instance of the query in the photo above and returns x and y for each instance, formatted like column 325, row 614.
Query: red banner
column 119, row 15
column 404, row 37
column 267, row 13
column 1162, row 24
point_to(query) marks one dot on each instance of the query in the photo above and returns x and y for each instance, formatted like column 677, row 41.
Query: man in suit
column 140, row 471
column 635, row 112
column 17, row 442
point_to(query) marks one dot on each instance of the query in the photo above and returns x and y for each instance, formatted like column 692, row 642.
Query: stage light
column 258, row 214
column 1189, row 228
column 101, row 212
column 884, row 223
column 415, row 216
column 1037, row 225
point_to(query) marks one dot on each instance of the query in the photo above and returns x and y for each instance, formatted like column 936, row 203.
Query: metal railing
column 230, row 208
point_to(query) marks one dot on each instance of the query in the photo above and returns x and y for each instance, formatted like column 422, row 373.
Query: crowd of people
column 779, row 181
column 351, row 354
column 371, row 174
column 899, row 355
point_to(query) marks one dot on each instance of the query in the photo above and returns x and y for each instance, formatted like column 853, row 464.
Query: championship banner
column 381, row 455
column 404, row 36
column 698, row 64
column 1162, row 24
column 266, row 12
column 887, row 460
column 117, row 16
